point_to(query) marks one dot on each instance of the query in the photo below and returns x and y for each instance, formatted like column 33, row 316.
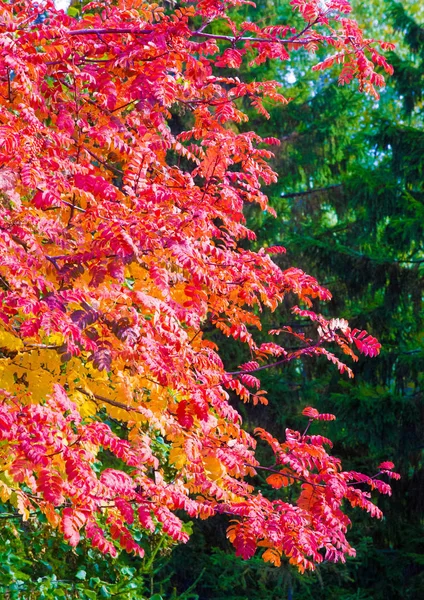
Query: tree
column 123, row 241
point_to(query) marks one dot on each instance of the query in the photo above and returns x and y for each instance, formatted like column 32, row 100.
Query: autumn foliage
column 120, row 240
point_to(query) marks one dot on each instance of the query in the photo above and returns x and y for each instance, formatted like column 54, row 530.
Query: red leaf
column 45, row 200
column 249, row 366
column 117, row 482
column 50, row 485
column 230, row 58
column 184, row 415
column 387, row 465
column 72, row 522
column 367, row 344
column 125, row 509
column 310, row 412
column 242, row 539
column 275, row 250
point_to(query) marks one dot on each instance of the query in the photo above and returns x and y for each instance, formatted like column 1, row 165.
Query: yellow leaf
column 10, row 341
column 5, row 476
column 177, row 457
column 158, row 401
column 56, row 338
column 40, row 383
column 21, row 503
column 5, row 492
column 95, row 373
column 213, row 467
column 7, row 379
column 86, row 406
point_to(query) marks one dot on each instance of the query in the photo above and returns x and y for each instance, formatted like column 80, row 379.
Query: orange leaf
column 273, row 556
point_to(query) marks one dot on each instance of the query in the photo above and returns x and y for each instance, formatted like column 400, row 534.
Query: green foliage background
column 350, row 200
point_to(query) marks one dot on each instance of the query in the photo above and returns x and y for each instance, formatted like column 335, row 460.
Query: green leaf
column 73, row 11
column 81, row 574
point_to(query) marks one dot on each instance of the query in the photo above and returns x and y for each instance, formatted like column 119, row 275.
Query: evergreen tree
column 354, row 217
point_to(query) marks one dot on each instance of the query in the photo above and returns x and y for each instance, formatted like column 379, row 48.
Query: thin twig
column 228, row 38
column 313, row 191
column 278, row 362
column 109, row 401
column 288, row 475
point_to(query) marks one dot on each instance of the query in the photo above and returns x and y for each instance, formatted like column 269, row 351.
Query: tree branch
column 288, row 475
column 109, row 401
column 313, row 191
column 286, row 359
column 228, row 38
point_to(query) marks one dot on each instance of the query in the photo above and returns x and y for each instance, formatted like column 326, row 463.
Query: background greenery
column 350, row 200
